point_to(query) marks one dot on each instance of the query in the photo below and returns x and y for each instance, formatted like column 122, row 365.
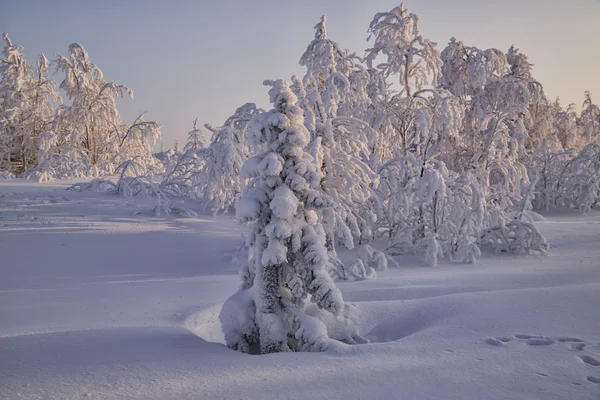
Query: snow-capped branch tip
column 211, row 127
column 321, row 29
column 7, row 39
column 76, row 48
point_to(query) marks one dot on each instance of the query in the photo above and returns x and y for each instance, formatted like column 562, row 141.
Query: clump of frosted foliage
column 568, row 179
column 437, row 213
column 287, row 261
column 6, row 175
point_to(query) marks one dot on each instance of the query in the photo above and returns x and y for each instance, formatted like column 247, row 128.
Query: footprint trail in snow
column 574, row 345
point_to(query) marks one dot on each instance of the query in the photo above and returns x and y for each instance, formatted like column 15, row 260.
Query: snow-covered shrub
column 425, row 208
column 223, row 161
column 59, row 162
column 212, row 174
column 516, row 237
column 182, row 176
column 133, row 181
column 549, row 166
column 589, row 121
column 361, row 270
column 287, row 261
column 6, row 175
column 566, row 178
column 581, row 184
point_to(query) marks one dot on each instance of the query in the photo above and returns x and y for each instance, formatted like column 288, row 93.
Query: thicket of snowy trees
column 42, row 138
column 440, row 152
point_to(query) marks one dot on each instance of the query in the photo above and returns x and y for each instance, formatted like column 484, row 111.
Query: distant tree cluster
column 442, row 154
column 42, row 138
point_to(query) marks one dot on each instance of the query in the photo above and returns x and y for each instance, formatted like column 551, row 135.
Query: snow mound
column 390, row 321
column 205, row 324
column 375, row 321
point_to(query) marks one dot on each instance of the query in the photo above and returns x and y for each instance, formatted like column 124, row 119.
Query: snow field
column 98, row 303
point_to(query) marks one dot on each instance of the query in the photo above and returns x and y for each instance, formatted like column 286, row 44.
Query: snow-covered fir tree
column 287, row 262
column 195, row 139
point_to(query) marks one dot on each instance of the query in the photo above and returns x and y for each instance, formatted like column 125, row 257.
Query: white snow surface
column 99, row 303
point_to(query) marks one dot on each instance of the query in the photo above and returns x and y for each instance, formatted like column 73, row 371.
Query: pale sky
column 188, row 59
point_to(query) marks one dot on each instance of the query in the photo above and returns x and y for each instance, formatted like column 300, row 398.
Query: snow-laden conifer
column 195, row 139
column 287, row 262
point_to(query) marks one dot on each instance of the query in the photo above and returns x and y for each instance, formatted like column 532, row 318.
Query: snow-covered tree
column 223, row 161
column 467, row 70
column 503, row 102
column 195, row 139
column 287, row 261
column 427, row 209
column 549, row 165
column 581, row 184
column 427, row 124
column 419, row 119
column 41, row 96
column 26, row 108
column 538, row 117
column 589, row 121
column 212, row 174
column 183, row 174
column 136, row 142
column 412, row 57
column 15, row 80
column 567, row 178
column 87, row 137
column 565, row 125
column 92, row 122
column 333, row 96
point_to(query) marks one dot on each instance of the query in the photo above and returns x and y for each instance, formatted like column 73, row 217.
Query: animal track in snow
column 535, row 340
column 527, row 337
column 497, row 341
column 564, row 339
column 540, row 342
column 570, row 343
column 578, row 346
column 494, row 342
column 590, row 360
